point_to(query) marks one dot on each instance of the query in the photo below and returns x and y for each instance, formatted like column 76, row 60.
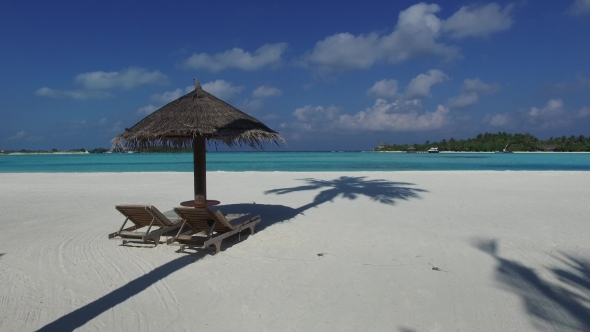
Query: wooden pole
column 200, row 169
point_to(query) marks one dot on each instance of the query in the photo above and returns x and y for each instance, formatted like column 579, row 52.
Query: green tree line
column 489, row 142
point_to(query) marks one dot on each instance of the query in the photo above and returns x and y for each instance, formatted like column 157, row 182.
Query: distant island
column 152, row 149
column 503, row 141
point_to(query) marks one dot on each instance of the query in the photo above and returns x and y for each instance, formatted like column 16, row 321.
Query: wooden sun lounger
column 143, row 216
column 207, row 228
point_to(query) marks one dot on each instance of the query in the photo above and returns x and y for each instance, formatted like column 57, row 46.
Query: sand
column 366, row 251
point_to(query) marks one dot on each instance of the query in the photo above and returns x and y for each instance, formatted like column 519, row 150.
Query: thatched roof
column 196, row 114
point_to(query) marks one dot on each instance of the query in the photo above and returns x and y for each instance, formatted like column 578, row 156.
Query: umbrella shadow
column 549, row 303
column 83, row 315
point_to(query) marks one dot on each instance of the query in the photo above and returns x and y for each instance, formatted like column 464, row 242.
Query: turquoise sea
column 294, row 162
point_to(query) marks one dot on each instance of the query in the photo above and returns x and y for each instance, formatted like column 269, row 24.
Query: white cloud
column 147, row 110
column 316, row 114
column 267, row 55
column 102, row 122
column 470, row 91
column 127, row 78
column 579, row 8
column 477, row 85
column 344, row 51
column 464, row 100
column 266, row 91
column 419, row 86
column 222, row 89
column 386, row 89
column 499, row 120
column 479, row 20
column 382, row 116
column 414, row 35
column 168, row 96
column 75, row 94
column 251, row 105
column 18, row 136
column 553, row 115
column 553, row 108
column 160, row 99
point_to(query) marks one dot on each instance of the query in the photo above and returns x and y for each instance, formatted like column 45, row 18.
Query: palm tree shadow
column 380, row 191
column 350, row 187
column 549, row 303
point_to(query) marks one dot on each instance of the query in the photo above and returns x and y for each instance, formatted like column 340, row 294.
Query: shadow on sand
column 381, row 191
column 83, row 315
column 563, row 305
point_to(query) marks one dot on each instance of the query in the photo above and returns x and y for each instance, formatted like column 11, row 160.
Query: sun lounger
column 143, row 216
column 206, row 228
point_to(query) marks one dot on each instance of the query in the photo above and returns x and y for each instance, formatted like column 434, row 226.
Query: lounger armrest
column 242, row 220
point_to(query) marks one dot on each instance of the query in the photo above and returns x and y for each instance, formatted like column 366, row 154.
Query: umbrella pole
column 200, row 169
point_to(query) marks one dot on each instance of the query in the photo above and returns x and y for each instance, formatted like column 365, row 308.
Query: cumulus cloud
column 316, row 114
column 419, row 86
column 477, row 85
column 470, row 91
column 479, row 21
column 255, row 104
column 147, row 110
column 168, row 96
column 417, row 33
column 251, row 105
column 267, row 55
column 127, row 78
column 385, row 89
column 95, row 82
column 382, row 116
column 222, row 89
column 499, row 120
column 160, row 99
column 465, row 99
column 266, row 91
column 414, row 35
column 553, row 115
column 74, row 94
column 579, row 8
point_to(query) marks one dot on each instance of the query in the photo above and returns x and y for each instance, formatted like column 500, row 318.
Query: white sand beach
column 342, row 251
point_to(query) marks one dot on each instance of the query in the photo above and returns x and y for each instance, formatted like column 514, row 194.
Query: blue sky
column 327, row 75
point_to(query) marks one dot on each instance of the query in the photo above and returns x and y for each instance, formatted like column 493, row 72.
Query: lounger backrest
column 160, row 218
column 137, row 214
column 201, row 219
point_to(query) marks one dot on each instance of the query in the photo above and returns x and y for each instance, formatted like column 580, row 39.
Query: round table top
column 192, row 203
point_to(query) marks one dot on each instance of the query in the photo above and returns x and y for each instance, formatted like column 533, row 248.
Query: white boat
column 433, row 150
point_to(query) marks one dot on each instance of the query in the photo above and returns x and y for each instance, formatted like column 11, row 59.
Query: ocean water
column 294, row 162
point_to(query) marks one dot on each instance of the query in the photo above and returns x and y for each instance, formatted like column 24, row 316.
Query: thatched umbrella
column 191, row 120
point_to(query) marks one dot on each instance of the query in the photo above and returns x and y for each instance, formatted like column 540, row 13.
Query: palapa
column 191, row 120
